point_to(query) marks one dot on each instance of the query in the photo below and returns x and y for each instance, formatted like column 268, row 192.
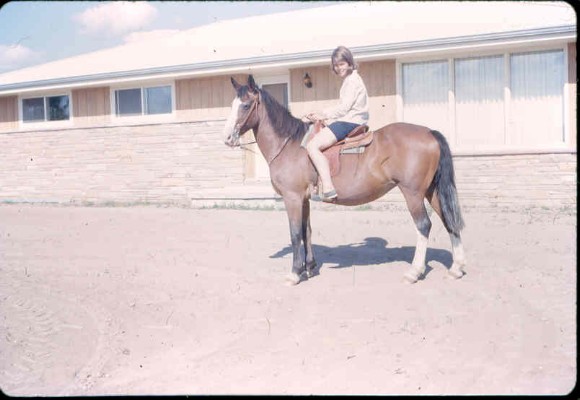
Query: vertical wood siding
column 8, row 113
column 92, row 106
column 322, row 94
column 378, row 76
column 380, row 80
column 204, row 98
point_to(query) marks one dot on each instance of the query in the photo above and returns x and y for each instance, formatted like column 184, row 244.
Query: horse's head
column 243, row 115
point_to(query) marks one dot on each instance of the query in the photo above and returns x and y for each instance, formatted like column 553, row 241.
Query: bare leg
column 320, row 142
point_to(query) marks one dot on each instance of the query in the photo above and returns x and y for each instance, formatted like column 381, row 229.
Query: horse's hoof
column 311, row 270
column 292, row 279
column 455, row 273
column 411, row 276
column 311, row 273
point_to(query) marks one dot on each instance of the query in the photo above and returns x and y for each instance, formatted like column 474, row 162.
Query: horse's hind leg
column 418, row 211
column 456, row 270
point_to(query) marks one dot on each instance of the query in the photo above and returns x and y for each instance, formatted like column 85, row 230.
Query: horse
column 413, row 158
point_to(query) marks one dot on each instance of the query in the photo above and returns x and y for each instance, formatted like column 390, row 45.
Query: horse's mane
column 284, row 124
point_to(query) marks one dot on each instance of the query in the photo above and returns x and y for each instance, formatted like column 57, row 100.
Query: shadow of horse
column 373, row 251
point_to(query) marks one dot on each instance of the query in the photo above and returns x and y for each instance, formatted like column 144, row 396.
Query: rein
column 279, row 151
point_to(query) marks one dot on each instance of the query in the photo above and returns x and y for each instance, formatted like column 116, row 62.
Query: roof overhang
column 558, row 34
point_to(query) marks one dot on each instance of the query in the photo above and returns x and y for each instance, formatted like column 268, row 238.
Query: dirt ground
column 146, row 300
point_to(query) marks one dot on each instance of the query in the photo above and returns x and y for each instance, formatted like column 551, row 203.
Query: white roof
column 300, row 36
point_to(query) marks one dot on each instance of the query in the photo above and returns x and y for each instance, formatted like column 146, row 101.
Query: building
column 142, row 122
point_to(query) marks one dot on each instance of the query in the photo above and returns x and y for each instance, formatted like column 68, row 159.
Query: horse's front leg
column 294, row 208
column 307, row 238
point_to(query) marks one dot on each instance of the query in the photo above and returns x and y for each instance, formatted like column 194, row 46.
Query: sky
column 33, row 32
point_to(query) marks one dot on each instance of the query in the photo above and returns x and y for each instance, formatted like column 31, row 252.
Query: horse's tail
column 444, row 183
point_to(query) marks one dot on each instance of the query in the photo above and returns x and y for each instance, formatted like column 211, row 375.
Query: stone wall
column 526, row 180
column 183, row 163
column 167, row 163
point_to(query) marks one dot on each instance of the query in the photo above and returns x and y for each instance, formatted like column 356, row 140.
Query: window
column 537, row 103
column 50, row 108
column 279, row 91
column 479, row 100
column 512, row 99
column 426, row 94
column 143, row 101
column 425, row 83
column 158, row 100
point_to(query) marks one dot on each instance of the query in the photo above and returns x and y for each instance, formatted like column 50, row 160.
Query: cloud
column 16, row 56
column 116, row 18
column 149, row 35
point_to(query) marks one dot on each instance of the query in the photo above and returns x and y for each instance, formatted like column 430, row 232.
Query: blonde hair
column 341, row 53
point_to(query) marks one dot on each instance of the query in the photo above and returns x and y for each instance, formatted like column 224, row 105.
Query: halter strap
column 254, row 107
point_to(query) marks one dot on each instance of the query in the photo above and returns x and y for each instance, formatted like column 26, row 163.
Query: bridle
column 237, row 128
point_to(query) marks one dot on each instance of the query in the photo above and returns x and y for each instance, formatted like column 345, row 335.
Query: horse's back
column 406, row 151
column 405, row 129
column 405, row 137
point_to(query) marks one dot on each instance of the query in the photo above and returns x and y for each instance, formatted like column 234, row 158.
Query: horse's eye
column 246, row 106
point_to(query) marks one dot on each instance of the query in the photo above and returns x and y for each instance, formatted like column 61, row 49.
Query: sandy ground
column 102, row 301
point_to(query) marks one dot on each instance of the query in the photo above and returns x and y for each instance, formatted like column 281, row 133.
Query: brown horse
column 412, row 157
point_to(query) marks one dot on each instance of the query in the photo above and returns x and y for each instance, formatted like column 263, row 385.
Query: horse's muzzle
column 233, row 139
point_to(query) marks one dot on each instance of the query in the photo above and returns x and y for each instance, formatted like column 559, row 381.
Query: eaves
column 246, row 65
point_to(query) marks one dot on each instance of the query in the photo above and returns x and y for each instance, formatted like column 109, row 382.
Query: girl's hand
column 315, row 117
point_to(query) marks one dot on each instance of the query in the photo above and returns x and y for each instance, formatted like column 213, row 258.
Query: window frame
column 142, row 117
column 45, row 123
column 506, row 53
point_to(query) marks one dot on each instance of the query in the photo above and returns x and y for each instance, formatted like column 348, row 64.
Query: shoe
column 329, row 197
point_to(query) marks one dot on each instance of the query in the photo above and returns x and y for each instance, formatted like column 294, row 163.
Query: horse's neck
column 269, row 142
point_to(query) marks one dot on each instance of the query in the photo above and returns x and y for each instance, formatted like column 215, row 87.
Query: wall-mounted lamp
column 307, row 80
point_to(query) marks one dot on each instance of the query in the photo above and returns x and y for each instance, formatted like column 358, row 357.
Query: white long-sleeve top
column 353, row 105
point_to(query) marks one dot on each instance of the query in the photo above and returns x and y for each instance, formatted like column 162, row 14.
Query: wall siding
column 379, row 78
column 8, row 113
column 92, row 106
column 322, row 94
column 152, row 164
column 205, row 98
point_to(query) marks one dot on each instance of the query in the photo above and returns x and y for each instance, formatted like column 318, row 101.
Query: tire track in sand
column 44, row 338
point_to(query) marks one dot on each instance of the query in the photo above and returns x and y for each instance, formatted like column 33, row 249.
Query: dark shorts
column 341, row 129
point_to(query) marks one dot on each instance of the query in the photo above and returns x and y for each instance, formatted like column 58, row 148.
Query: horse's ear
column 252, row 84
column 237, row 86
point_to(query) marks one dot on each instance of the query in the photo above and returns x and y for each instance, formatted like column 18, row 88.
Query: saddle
column 354, row 143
